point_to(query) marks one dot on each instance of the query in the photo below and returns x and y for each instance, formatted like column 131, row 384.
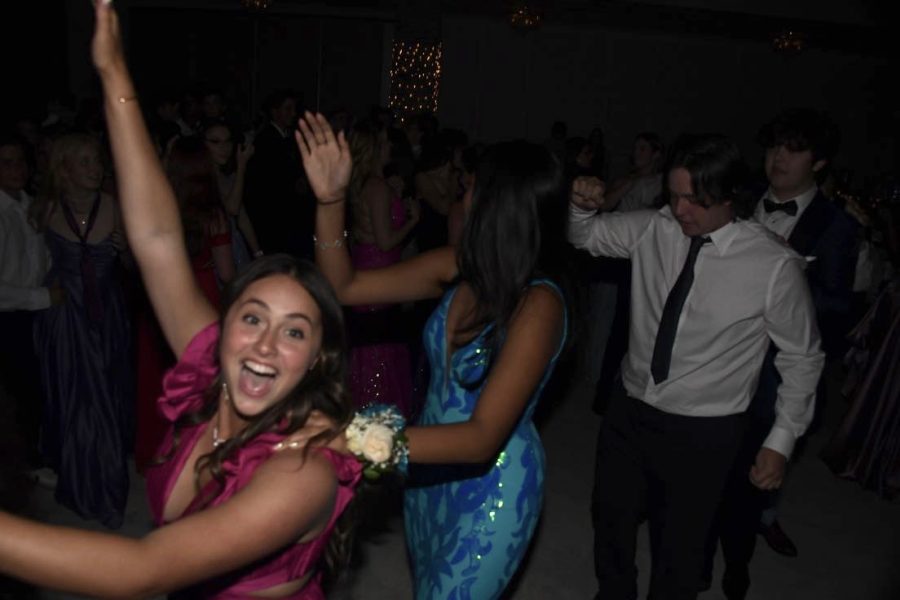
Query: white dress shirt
column 24, row 259
column 748, row 288
column 779, row 222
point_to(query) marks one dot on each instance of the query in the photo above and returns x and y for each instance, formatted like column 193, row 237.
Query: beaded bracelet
column 376, row 437
column 328, row 245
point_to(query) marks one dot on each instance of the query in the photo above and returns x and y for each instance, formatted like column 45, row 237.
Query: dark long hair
column 192, row 173
column 323, row 388
column 515, row 231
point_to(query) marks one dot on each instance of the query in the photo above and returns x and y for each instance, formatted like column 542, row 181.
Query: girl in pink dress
column 380, row 365
column 236, row 519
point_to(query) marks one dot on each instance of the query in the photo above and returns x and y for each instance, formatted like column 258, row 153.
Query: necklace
column 216, row 440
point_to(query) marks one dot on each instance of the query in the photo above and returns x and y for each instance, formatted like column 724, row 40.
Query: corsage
column 376, row 437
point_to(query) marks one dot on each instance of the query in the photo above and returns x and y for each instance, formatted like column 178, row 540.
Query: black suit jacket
column 827, row 233
column 282, row 218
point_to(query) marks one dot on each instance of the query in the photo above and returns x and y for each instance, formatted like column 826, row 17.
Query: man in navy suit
column 800, row 144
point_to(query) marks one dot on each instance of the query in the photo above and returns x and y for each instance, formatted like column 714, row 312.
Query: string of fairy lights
column 415, row 77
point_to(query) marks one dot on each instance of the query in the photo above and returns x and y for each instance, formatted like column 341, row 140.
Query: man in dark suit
column 275, row 183
column 800, row 144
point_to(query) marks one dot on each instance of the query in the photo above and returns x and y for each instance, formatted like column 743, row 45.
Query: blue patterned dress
column 468, row 526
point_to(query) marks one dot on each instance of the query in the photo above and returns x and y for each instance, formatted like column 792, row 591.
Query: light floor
column 849, row 539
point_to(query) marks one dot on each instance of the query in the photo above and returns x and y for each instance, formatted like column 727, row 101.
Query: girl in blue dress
column 492, row 342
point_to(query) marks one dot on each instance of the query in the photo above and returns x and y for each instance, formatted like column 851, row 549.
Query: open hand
column 326, row 158
column 587, row 193
column 106, row 47
column 316, row 423
column 768, row 472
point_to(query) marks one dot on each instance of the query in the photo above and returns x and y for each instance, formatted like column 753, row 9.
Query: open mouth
column 256, row 379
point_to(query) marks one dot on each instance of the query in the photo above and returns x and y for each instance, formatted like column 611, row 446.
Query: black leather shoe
column 736, row 582
column 778, row 540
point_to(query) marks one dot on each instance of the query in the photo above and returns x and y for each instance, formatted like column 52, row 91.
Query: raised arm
column 327, row 161
column 260, row 519
column 149, row 210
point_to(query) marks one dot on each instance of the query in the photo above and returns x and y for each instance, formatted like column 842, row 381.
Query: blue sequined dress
column 468, row 526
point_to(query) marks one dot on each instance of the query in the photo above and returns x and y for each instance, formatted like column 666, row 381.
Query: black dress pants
column 20, row 377
column 669, row 469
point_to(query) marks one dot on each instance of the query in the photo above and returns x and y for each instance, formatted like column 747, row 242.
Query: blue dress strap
column 562, row 297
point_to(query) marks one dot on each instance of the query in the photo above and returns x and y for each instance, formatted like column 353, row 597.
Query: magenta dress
column 184, row 389
column 380, row 370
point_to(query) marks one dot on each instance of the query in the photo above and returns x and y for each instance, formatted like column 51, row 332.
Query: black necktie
column 789, row 207
column 665, row 335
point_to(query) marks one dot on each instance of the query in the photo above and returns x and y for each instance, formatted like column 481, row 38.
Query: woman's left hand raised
column 326, row 158
column 106, row 46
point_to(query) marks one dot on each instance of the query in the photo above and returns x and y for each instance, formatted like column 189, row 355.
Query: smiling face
column 220, row 144
column 644, row 155
column 83, row 169
column 271, row 338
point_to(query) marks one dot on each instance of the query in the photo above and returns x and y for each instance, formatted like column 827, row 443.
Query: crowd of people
column 231, row 307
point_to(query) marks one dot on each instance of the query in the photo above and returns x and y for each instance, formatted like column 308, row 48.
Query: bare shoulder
column 376, row 187
column 297, row 469
column 543, row 299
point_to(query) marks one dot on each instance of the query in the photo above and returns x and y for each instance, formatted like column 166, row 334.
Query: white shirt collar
column 281, row 131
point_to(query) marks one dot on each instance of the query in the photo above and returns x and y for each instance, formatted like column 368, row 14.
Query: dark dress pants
column 671, row 470
column 20, row 377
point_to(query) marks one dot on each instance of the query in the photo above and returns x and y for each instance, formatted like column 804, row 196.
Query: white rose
column 354, row 438
column 377, row 443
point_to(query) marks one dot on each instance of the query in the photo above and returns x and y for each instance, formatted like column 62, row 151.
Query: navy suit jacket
column 828, row 234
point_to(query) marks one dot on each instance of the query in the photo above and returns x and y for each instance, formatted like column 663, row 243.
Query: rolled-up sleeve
column 791, row 324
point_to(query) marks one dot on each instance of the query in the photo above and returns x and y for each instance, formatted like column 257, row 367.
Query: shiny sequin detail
column 467, row 528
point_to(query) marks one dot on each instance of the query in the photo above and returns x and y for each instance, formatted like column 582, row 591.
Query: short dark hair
column 651, row 138
column 801, row 129
column 718, row 172
column 8, row 138
column 277, row 98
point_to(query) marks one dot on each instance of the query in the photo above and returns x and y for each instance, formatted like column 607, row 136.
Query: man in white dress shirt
column 710, row 290
column 799, row 144
column 24, row 261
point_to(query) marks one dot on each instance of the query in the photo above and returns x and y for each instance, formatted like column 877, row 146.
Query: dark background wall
column 499, row 82
column 625, row 65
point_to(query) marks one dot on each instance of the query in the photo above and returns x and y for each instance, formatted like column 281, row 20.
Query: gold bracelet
column 124, row 99
column 329, row 245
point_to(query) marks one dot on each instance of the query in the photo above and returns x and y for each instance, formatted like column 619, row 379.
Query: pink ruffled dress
column 184, row 388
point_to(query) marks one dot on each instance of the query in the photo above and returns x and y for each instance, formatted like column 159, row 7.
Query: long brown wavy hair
column 323, row 388
column 366, row 147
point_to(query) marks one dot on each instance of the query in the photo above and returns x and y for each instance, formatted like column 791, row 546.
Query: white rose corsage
column 376, row 438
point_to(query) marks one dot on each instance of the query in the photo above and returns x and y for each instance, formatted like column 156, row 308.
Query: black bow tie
column 789, row 207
